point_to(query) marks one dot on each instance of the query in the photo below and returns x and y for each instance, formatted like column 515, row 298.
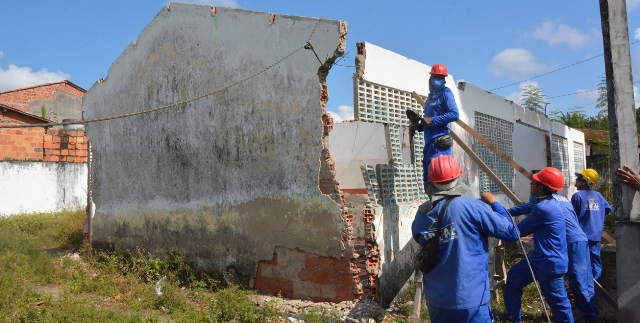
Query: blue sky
column 488, row 43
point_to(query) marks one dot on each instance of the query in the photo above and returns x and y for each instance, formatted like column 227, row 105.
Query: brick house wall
column 20, row 98
column 38, row 144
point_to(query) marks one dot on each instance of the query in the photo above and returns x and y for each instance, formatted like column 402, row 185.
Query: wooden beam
column 484, row 141
column 609, row 238
column 512, row 196
column 495, row 149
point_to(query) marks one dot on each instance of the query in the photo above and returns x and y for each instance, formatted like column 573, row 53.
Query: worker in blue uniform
column 591, row 208
column 457, row 288
column 579, row 270
column 548, row 259
column 439, row 110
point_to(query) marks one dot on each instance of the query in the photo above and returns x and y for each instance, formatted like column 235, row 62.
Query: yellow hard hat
column 590, row 175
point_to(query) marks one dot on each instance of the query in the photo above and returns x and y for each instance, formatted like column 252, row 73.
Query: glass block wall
column 500, row 133
column 578, row 156
column 560, row 156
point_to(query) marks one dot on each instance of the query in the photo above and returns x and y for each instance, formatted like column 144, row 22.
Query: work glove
column 414, row 120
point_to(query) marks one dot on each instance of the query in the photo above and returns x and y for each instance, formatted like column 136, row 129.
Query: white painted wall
column 391, row 69
column 353, row 144
column 529, row 147
column 27, row 187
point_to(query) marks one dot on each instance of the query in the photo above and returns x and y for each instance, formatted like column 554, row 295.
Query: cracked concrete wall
column 228, row 177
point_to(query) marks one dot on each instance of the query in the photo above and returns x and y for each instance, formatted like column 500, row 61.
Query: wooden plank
column 610, row 300
column 609, row 238
column 495, row 149
column 417, row 300
column 484, row 141
column 512, row 196
column 477, row 160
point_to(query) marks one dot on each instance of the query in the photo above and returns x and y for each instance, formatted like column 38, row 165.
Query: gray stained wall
column 227, row 177
column 62, row 105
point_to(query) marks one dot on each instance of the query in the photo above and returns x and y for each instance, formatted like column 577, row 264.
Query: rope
column 535, row 281
column 52, row 124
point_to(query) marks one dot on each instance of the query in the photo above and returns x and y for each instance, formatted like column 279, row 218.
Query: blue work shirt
column 442, row 109
column 574, row 231
column 460, row 279
column 546, row 222
column 591, row 208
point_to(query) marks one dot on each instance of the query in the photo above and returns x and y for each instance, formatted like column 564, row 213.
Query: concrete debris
column 348, row 311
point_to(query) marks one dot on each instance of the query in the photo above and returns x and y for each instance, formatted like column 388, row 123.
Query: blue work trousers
column 431, row 150
column 552, row 285
column 581, row 281
column 480, row 314
column 596, row 263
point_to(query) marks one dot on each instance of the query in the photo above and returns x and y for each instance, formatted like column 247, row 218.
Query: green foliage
column 105, row 286
column 319, row 315
column 233, row 304
column 602, row 102
column 404, row 301
column 534, row 98
column 47, row 114
column 574, row 118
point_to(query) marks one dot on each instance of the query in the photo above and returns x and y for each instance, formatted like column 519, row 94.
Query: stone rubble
column 349, row 312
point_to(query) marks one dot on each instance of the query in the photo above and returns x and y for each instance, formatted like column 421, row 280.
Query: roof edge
column 46, row 84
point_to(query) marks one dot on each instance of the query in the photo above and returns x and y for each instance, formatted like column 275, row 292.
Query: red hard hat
column 439, row 69
column 444, row 169
column 550, row 177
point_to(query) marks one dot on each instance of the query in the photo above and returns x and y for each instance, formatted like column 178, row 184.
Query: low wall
column 27, row 187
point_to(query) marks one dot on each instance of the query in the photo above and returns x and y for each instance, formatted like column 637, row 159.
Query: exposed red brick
column 311, row 261
column 306, row 274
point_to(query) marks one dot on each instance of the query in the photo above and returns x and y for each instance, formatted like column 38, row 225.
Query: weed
column 319, row 315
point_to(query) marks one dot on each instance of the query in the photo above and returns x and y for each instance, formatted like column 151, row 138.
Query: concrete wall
column 382, row 87
column 62, row 105
column 530, row 129
column 231, row 176
column 27, row 187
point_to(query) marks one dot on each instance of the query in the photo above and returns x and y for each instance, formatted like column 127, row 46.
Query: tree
column 602, row 102
column 574, row 118
column 533, row 98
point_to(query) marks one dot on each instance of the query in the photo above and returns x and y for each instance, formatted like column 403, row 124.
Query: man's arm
column 451, row 113
column 521, row 209
column 576, row 202
column 497, row 223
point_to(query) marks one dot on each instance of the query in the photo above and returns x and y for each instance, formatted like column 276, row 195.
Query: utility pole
column 624, row 151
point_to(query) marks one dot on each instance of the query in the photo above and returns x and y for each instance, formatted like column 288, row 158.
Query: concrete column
column 623, row 136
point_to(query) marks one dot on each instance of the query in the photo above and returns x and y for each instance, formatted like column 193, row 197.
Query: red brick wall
column 34, row 144
column 20, row 98
column 21, row 144
column 302, row 275
column 66, row 146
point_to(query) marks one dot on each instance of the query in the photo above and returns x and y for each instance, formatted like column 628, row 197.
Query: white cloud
column 344, row 113
column 632, row 4
column 635, row 97
column 637, row 35
column 1, row 55
column 17, row 77
column 558, row 34
column 516, row 62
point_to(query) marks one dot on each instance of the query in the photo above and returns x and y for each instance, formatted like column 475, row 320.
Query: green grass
column 106, row 286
